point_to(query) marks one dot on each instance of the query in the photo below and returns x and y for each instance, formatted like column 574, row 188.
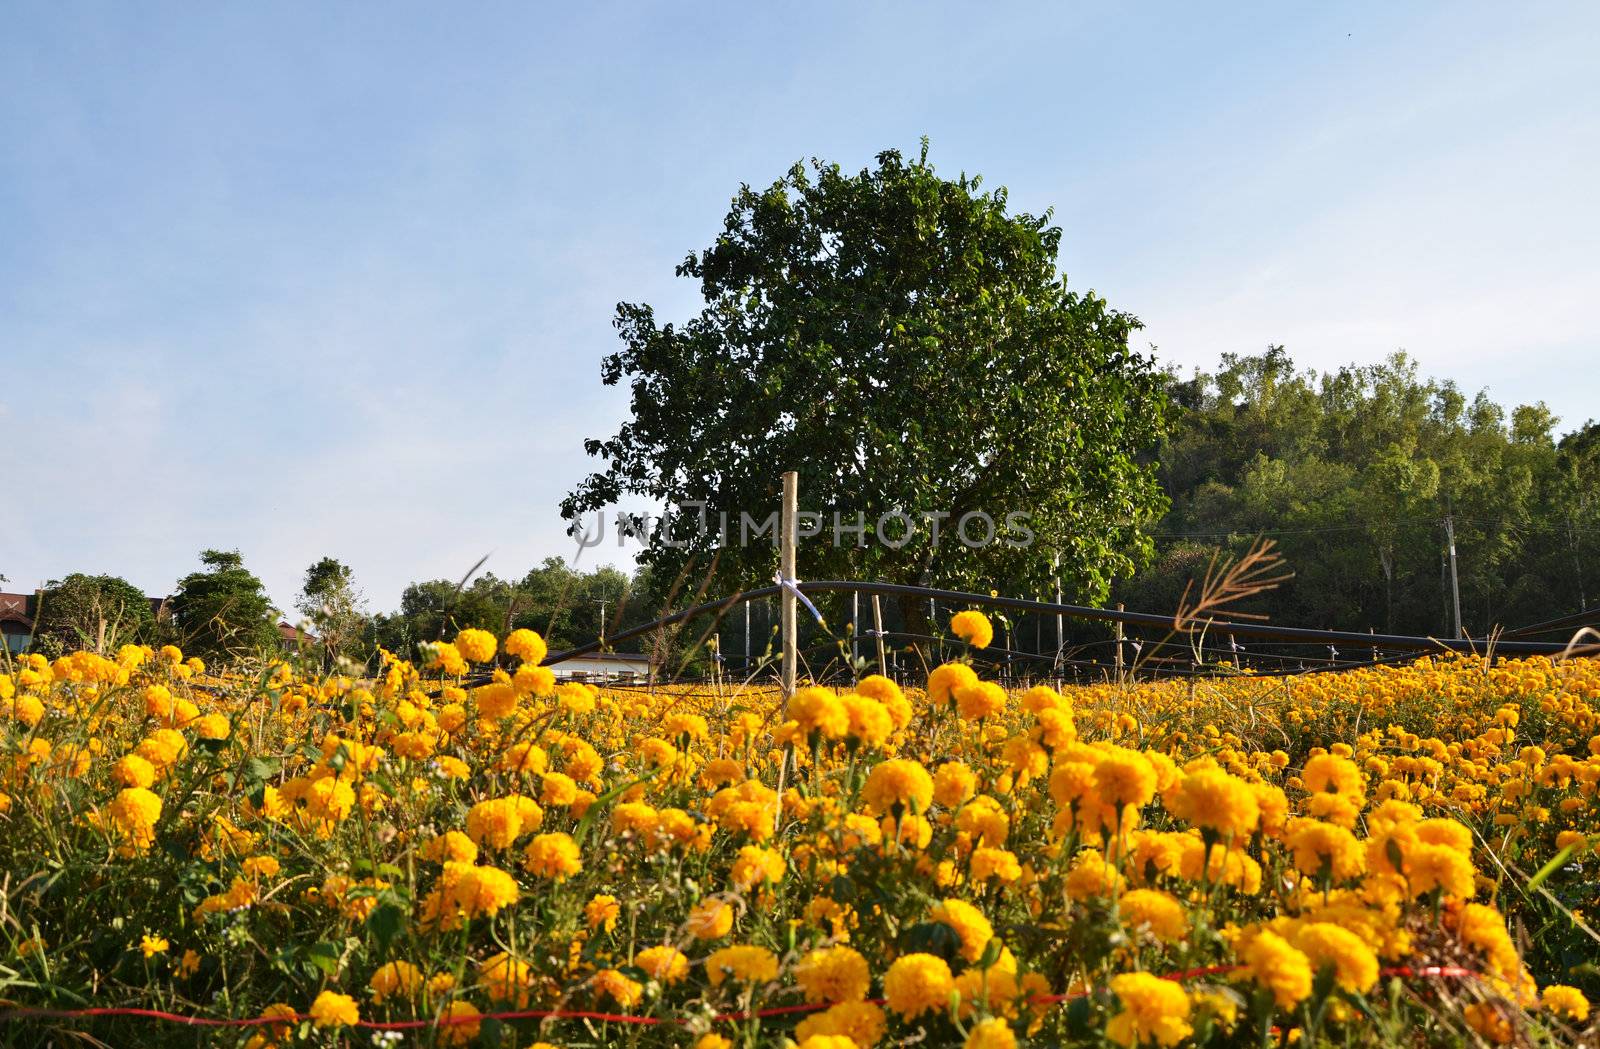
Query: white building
column 599, row 667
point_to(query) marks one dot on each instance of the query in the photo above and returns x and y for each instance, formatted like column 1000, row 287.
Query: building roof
column 610, row 657
column 289, row 632
column 14, row 609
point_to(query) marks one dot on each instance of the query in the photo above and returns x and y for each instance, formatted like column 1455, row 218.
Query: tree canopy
column 907, row 344
column 1354, row 474
column 224, row 609
column 97, row 612
column 330, row 600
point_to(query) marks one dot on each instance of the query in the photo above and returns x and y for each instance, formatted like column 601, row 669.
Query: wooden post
column 1119, row 645
column 791, row 647
column 716, row 661
column 877, row 628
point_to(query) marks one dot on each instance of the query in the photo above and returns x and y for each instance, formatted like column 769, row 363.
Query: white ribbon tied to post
column 793, row 586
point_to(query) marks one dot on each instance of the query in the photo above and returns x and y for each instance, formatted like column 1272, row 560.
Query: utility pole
column 1455, row 582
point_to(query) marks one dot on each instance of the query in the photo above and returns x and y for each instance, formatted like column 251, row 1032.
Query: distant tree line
column 1360, row 476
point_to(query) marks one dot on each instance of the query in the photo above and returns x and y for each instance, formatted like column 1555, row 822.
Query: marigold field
column 1391, row 855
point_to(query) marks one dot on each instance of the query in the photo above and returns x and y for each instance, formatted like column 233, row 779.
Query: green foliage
column 223, row 609
column 1354, row 473
column 905, row 343
column 95, row 612
column 336, row 609
column 560, row 602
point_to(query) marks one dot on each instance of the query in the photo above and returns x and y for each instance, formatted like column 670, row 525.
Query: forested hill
column 1355, row 474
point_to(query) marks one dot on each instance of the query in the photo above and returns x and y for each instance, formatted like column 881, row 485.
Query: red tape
column 1404, row 971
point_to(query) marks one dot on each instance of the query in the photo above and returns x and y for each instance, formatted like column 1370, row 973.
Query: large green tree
column 224, row 610
column 94, row 612
column 908, row 344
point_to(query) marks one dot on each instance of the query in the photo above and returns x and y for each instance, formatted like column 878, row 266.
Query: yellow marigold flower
column 827, row 1041
column 553, row 856
column 506, row 979
column 1157, row 911
column 954, row 783
column 862, row 1022
column 459, row 1023
column 746, row 963
column 332, row 1011
column 447, row 657
column 575, row 698
column 973, row 628
column 271, row 1034
column 1355, row 965
column 531, row 680
column 710, row 919
column 1125, row 777
column 1491, row 1021
column 1153, row 1010
column 157, row 701
column 1272, row 962
column 527, row 758
column 993, row 1033
column 557, row 790
column 755, row 865
column 189, row 964
column 527, row 646
column 1566, row 1002
column 476, row 646
column 1446, row 832
column 885, row 691
column 871, row 724
column 980, row 700
column 634, row 817
column 897, row 784
column 991, row 864
column 1092, row 876
column 135, row 811
column 1440, row 867
column 395, row 980
column 917, row 984
column 495, row 700
column 152, row 945
column 1326, row 848
column 1212, row 799
column 712, row 1041
column 819, row 713
column 212, row 726
column 667, row 965
column 611, row 984
column 498, row 822
column 833, row 974
column 450, row 847
column 945, row 680
column 261, row 866
column 601, row 912
column 484, row 891
column 133, row 771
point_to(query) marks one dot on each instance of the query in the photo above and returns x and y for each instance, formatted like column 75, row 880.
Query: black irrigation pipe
column 1225, row 628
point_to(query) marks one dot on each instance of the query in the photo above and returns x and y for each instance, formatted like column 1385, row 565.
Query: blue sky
column 336, row 279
